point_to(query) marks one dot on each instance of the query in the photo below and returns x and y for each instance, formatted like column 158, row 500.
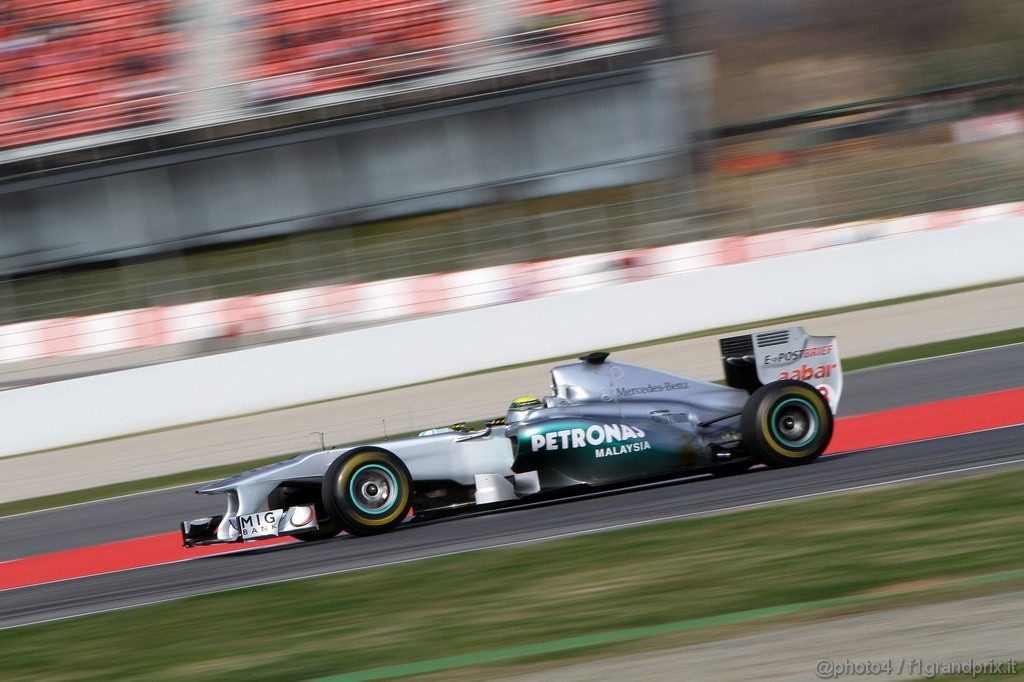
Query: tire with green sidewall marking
column 367, row 491
column 785, row 424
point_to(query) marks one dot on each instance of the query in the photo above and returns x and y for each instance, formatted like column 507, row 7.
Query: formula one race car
column 605, row 423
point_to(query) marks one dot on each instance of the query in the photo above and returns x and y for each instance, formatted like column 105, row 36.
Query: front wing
column 243, row 528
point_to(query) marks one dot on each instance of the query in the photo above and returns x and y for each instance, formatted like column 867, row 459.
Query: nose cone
column 266, row 472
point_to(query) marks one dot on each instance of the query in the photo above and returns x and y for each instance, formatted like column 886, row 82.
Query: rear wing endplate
column 753, row 360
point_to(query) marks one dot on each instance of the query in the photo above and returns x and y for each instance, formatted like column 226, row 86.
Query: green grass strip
column 1008, row 337
column 615, row 636
column 825, row 558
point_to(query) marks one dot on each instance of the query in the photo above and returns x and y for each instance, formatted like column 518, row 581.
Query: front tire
column 367, row 491
column 785, row 424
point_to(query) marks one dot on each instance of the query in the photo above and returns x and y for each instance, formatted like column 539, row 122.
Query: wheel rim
column 794, row 422
column 373, row 489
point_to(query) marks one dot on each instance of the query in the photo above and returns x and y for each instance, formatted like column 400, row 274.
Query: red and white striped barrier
column 393, row 299
column 824, row 271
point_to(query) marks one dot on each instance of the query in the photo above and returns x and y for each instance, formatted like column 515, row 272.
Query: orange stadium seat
column 63, row 62
column 72, row 67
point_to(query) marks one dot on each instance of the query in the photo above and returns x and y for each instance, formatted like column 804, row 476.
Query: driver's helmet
column 520, row 407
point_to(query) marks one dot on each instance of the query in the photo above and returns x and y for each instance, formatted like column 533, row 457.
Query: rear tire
column 785, row 424
column 367, row 491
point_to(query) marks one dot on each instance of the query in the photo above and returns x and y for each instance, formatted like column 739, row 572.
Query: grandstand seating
column 64, row 62
column 71, row 67
column 313, row 46
column 582, row 23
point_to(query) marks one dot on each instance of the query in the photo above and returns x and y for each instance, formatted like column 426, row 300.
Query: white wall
column 270, row 377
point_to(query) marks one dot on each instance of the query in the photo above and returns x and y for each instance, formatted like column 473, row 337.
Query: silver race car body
column 604, row 423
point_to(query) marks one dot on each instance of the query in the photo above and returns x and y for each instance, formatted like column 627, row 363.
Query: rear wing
column 752, row 360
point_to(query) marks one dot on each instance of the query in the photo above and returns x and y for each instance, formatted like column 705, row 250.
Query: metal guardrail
column 863, row 186
column 125, row 337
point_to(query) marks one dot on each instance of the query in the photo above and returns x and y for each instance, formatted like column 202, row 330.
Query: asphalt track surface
column 136, row 516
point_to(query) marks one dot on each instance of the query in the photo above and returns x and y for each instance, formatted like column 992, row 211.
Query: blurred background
column 215, row 158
